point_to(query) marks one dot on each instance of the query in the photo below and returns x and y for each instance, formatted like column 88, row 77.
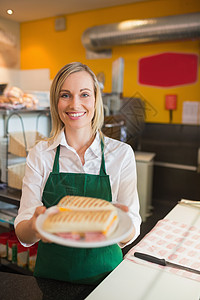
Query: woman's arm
column 127, row 194
column 26, row 230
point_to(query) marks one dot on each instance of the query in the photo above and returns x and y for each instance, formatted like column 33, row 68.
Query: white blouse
column 119, row 162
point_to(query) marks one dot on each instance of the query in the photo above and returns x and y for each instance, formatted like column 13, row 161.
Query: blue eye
column 85, row 95
column 64, row 95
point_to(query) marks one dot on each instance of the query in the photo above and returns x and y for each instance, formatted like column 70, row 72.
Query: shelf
column 7, row 112
column 15, row 267
column 10, row 195
column 6, row 219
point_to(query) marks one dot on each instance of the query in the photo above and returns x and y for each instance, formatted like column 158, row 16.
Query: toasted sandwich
column 84, row 203
column 90, row 225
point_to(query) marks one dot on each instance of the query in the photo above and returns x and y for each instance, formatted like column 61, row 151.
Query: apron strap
column 103, row 167
column 56, row 161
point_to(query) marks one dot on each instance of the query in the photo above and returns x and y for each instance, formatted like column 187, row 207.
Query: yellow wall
column 43, row 47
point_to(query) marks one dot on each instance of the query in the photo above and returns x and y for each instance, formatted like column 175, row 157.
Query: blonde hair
column 63, row 73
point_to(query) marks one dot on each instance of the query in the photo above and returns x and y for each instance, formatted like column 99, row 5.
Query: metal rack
column 5, row 113
column 10, row 195
column 8, row 116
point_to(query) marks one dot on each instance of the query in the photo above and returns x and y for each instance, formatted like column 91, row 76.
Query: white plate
column 122, row 231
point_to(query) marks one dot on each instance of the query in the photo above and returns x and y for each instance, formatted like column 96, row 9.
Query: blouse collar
column 95, row 147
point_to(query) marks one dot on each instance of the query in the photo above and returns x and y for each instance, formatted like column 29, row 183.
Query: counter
column 143, row 282
column 18, row 287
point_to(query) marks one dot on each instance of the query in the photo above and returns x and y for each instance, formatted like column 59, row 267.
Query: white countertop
column 131, row 281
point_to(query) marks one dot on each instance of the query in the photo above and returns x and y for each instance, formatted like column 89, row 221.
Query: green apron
column 77, row 265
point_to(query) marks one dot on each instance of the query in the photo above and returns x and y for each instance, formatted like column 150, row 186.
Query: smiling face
column 77, row 101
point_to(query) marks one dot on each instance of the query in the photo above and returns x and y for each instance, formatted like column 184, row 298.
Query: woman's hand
column 121, row 206
column 26, row 230
column 38, row 211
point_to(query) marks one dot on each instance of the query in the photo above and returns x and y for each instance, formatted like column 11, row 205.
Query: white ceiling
column 29, row 10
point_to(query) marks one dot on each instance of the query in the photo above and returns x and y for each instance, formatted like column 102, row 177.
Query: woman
column 74, row 161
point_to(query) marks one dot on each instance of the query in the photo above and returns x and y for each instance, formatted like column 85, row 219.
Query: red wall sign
column 170, row 102
column 168, row 69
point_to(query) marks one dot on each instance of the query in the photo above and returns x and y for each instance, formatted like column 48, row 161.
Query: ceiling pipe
column 178, row 27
